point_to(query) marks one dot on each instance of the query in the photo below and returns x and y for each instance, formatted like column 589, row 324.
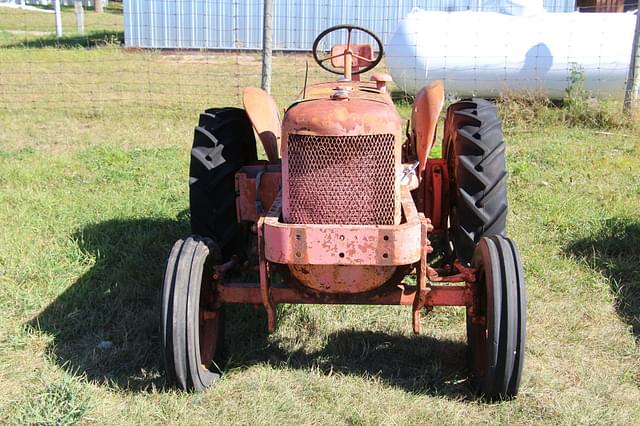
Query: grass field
column 93, row 192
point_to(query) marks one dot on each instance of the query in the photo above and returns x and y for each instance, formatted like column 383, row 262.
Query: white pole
column 632, row 94
column 58, row 16
column 79, row 16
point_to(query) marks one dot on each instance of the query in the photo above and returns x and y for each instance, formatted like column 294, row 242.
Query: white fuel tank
column 487, row 54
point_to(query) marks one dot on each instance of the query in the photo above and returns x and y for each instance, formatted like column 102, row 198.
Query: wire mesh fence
column 202, row 53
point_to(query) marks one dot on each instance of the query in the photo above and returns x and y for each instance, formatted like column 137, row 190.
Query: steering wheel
column 371, row 62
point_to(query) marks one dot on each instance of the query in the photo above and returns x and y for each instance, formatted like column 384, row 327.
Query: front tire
column 496, row 327
column 192, row 324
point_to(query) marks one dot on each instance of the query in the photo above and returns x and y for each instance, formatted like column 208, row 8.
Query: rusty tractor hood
column 342, row 109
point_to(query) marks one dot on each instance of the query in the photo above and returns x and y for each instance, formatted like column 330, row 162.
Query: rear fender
column 263, row 113
column 424, row 120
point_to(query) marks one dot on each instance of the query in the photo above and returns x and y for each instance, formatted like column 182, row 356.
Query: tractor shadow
column 415, row 364
column 106, row 325
column 614, row 251
column 418, row 364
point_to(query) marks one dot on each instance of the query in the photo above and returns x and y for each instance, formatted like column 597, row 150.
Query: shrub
column 583, row 110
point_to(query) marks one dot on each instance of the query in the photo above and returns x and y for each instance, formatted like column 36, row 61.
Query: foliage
column 583, row 110
column 526, row 110
column 533, row 110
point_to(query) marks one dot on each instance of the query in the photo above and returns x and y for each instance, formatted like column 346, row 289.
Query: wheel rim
column 478, row 326
column 206, row 340
column 478, row 333
column 208, row 324
column 484, row 327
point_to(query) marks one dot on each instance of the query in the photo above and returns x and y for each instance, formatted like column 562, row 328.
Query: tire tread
column 474, row 149
column 223, row 142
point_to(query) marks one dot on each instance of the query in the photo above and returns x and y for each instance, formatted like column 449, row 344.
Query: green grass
column 64, row 403
column 25, row 26
column 93, row 192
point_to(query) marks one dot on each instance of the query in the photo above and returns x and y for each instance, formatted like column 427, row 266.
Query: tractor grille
column 348, row 180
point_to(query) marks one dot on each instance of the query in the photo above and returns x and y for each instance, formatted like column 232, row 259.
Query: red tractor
column 343, row 212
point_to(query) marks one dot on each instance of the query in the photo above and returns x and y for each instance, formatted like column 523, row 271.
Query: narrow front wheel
column 192, row 323
column 496, row 323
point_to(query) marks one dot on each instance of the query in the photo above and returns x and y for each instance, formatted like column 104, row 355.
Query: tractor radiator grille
column 347, row 180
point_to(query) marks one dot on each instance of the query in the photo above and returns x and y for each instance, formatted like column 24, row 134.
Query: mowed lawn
column 94, row 151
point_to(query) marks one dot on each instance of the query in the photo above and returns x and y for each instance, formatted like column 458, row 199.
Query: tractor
column 344, row 211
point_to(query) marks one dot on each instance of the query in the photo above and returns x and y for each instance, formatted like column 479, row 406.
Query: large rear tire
column 496, row 330
column 475, row 152
column 223, row 142
column 192, row 324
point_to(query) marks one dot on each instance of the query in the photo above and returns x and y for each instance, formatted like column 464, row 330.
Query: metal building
column 237, row 24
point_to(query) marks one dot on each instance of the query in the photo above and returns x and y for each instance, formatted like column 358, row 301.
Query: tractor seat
column 364, row 50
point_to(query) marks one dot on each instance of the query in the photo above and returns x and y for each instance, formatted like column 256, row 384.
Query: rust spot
column 366, row 247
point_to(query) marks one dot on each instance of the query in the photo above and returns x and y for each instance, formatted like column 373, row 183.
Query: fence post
column 77, row 4
column 98, row 6
column 58, row 17
column 632, row 95
column 267, row 46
